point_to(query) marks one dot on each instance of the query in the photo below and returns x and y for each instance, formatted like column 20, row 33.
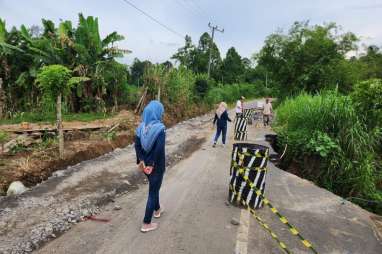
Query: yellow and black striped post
column 254, row 158
column 248, row 166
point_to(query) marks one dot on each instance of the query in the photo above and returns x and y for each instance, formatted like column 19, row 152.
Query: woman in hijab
column 150, row 151
column 221, row 118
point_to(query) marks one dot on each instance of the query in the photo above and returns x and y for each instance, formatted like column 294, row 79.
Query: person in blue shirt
column 150, row 150
column 221, row 119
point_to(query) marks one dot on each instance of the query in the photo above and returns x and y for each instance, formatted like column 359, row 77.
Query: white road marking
column 242, row 233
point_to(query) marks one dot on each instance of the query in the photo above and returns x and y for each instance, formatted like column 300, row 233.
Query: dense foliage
column 230, row 93
column 80, row 49
column 101, row 81
column 330, row 143
column 232, row 69
column 54, row 80
column 330, row 111
column 184, row 92
column 367, row 97
column 309, row 59
column 196, row 58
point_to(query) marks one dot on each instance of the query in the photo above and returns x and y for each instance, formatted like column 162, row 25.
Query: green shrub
column 130, row 95
column 322, row 144
column 109, row 135
column 18, row 148
column 202, row 85
column 367, row 96
column 3, row 138
column 54, row 80
column 326, row 128
column 89, row 104
column 231, row 93
column 179, row 88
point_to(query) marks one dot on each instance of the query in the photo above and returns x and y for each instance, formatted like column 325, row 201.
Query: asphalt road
column 197, row 220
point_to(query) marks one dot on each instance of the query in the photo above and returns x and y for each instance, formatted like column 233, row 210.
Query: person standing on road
column 239, row 106
column 221, row 119
column 267, row 112
column 150, row 151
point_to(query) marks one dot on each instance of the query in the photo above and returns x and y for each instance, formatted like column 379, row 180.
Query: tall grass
column 326, row 129
column 184, row 92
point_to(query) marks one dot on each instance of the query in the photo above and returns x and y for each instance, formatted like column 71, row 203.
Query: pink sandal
column 157, row 214
column 149, row 227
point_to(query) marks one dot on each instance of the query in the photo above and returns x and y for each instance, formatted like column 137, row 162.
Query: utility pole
column 213, row 28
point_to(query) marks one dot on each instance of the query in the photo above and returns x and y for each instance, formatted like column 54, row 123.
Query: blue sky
column 247, row 22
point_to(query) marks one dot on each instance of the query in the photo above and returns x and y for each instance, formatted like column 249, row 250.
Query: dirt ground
column 32, row 165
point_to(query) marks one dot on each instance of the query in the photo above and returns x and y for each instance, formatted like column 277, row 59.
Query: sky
column 246, row 23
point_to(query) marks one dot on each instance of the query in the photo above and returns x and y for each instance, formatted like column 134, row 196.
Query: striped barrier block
column 249, row 163
column 247, row 183
column 248, row 113
column 241, row 128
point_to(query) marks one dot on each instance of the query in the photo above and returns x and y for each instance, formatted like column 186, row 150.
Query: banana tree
column 80, row 49
column 94, row 54
column 114, row 76
column 8, row 54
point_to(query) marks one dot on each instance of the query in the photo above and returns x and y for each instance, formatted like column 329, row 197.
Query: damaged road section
column 52, row 207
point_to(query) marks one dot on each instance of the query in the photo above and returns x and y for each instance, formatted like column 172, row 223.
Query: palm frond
column 111, row 38
column 9, row 47
column 3, row 30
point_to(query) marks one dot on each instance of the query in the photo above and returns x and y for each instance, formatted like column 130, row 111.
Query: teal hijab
column 151, row 125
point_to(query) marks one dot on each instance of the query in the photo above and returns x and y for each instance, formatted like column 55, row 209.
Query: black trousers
column 266, row 119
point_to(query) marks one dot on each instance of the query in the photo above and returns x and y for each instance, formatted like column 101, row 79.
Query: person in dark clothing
column 150, row 151
column 221, row 118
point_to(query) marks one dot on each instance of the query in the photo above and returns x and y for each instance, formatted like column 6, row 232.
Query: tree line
column 315, row 58
column 231, row 69
column 306, row 58
column 105, row 81
column 24, row 51
column 330, row 108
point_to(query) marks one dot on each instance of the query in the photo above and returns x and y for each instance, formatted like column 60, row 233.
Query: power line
column 199, row 8
column 182, row 4
column 186, row 7
column 154, row 19
column 191, row 9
